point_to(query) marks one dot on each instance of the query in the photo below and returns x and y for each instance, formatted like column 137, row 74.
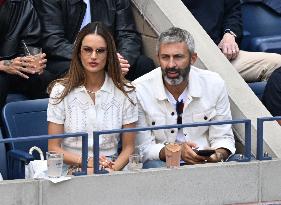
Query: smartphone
column 205, row 152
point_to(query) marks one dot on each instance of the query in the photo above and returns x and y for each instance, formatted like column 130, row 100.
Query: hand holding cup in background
column 36, row 58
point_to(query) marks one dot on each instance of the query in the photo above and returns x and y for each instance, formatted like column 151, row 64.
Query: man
column 62, row 20
column 177, row 92
column 19, row 23
column 222, row 20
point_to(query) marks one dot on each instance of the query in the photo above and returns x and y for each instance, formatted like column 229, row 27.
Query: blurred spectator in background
column 62, row 20
column 18, row 73
column 272, row 94
column 222, row 20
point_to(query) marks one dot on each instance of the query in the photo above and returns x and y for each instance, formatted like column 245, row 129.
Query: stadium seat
column 3, row 160
column 15, row 97
column 21, row 119
column 261, row 26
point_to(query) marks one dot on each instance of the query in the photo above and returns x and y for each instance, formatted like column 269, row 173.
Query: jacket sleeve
column 53, row 32
column 222, row 135
column 24, row 25
column 127, row 38
column 31, row 32
column 233, row 17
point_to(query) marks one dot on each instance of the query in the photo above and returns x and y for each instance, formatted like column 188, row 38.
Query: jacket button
column 172, row 113
column 153, row 123
column 205, row 118
column 172, row 131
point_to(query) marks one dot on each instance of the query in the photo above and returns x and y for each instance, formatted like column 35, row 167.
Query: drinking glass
column 35, row 52
column 135, row 162
column 54, row 164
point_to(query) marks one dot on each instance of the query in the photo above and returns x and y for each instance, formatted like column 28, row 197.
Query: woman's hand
column 106, row 164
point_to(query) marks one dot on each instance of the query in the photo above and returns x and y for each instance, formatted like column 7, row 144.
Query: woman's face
column 93, row 53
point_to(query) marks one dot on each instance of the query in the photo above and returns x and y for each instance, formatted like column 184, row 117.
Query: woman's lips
column 93, row 64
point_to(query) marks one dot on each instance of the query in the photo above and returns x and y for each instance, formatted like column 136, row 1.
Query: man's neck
column 176, row 90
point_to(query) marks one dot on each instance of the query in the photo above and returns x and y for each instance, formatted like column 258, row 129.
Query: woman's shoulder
column 57, row 90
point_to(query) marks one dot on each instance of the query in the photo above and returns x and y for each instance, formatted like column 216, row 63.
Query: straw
column 27, row 50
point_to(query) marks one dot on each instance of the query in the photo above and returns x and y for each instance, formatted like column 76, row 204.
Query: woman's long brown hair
column 76, row 74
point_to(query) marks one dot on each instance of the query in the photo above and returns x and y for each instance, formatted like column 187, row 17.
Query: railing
column 245, row 158
column 260, row 154
column 66, row 135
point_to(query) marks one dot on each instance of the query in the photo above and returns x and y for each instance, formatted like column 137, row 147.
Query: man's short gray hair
column 176, row 35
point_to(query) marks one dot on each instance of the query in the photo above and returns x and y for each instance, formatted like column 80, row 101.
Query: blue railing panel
column 84, row 136
column 247, row 122
column 260, row 121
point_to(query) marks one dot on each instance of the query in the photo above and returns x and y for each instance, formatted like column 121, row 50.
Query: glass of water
column 54, row 164
column 135, row 162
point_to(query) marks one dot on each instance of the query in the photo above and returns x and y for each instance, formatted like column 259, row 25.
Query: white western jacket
column 207, row 100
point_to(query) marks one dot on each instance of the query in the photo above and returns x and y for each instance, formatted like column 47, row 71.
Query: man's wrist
column 5, row 64
column 230, row 32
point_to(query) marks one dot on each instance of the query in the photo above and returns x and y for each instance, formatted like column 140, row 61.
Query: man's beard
column 182, row 75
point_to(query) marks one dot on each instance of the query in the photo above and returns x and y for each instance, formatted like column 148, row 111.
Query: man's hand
column 42, row 64
column 18, row 66
column 125, row 66
column 229, row 47
column 220, row 155
column 189, row 156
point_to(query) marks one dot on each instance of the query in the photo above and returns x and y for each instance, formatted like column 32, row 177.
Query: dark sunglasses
column 179, row 109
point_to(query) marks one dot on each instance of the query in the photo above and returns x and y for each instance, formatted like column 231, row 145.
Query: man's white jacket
column 207, row 100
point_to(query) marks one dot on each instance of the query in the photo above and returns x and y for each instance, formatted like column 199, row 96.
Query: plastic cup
column 135, row 162
column 173, row 155
column 54, row 164
column 35, row 52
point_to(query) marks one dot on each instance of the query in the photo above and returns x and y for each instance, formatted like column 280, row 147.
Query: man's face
column 175, row 61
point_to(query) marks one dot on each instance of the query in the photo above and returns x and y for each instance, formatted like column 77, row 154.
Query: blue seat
column 3, row 159
column 15, row 97
column 258, row 88
column 21, row 119
column 261, row 26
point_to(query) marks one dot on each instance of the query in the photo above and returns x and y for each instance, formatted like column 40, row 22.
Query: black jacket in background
column 61, row 21
column 23, row 24
column 217, row 15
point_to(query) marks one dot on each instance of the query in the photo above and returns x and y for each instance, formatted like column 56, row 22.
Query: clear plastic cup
column 54, row 164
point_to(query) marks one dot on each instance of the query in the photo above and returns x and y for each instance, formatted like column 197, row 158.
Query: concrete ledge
column 221, row 183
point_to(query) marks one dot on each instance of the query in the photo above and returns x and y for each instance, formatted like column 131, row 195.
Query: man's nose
column 171, row 63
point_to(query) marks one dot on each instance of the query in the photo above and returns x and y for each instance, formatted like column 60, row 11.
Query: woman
column 93, row 96
column 19, row 23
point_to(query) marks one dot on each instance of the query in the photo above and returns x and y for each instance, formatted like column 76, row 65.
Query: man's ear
column 193, row 58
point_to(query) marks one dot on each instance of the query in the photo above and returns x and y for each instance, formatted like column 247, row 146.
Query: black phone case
column 205, row 152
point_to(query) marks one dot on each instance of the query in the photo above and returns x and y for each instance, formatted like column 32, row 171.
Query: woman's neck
column 94, row 82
